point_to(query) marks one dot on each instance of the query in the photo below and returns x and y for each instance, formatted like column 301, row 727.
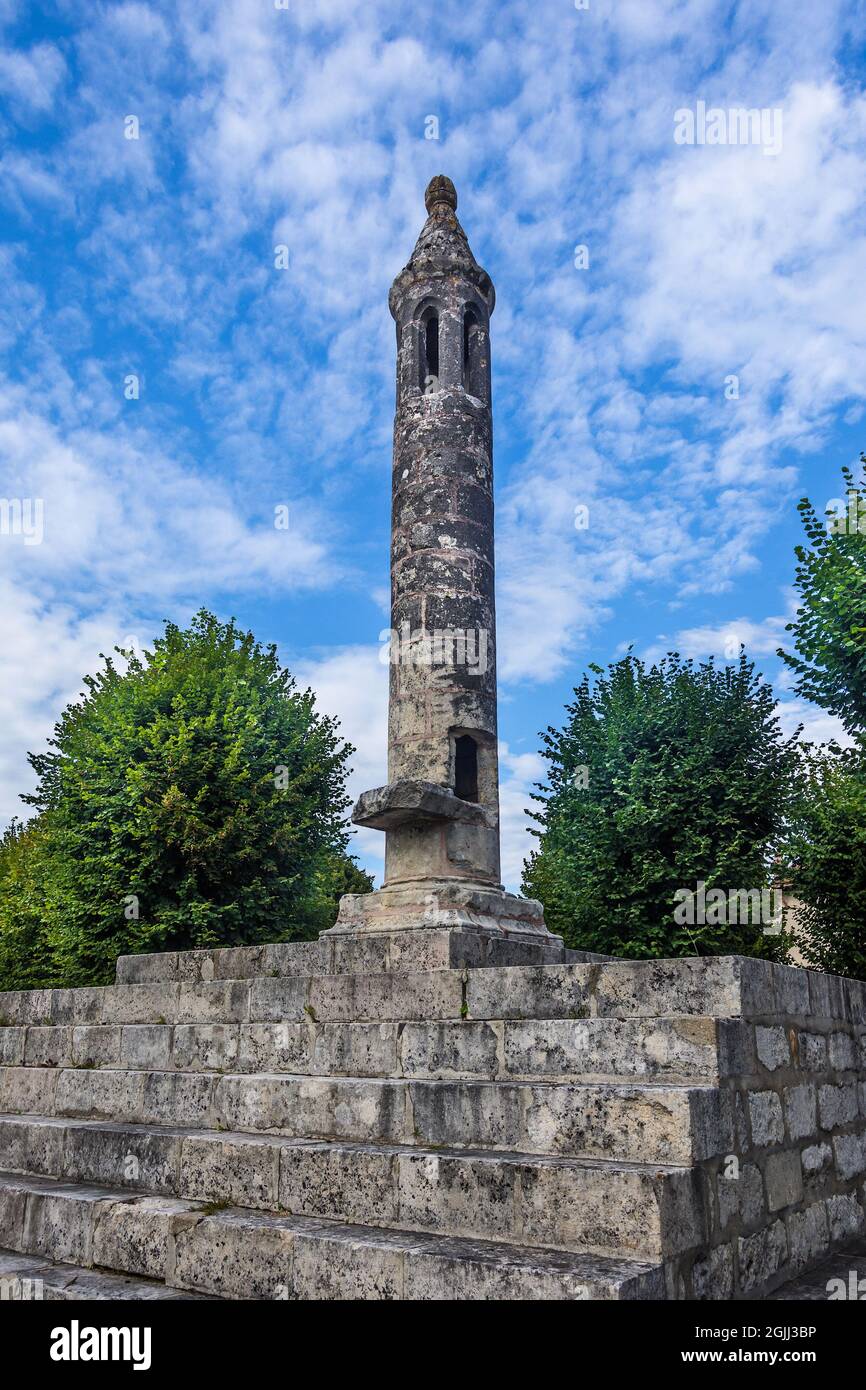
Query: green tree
column 25, row 950
column 827, row 852
column 662, row 777
column 828, row 833
column 830, row 627
column 194, row 799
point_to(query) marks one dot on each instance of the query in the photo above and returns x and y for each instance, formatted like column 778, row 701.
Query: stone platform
column 450, row 922
column 412, row 1115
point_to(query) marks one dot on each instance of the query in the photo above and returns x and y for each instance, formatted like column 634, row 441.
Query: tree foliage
column 827, row 851
column 662, row 777
column 25, row 949
column 194, row 799
column 830, row 627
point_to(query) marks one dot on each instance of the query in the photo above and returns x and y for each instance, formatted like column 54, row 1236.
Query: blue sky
column 261, row 387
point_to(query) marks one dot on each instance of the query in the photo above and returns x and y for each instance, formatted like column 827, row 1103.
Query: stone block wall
column 793, row 1100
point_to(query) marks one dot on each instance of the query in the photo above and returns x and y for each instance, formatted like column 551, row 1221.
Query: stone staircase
column 396, row 1119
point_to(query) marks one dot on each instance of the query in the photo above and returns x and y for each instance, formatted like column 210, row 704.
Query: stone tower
column 440, row 809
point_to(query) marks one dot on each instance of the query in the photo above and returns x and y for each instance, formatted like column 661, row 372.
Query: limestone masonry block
column 837, row 1105
column 808, row 1235
column 772, row 1047
column 850, row 1155
column 96, row 1045
column 800, row 1110
column 765, row 1114
column 783, row 1176
column 846, row 1216
column 741, row 1195
column 843, row 1051
column 813, row 1052
column 762, row 1255
column 242, row 1169
column 816, row 1158
column 218, row 1255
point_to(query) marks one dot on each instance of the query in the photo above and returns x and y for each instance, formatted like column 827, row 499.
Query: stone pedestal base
column 450, row 922
column 442, row 903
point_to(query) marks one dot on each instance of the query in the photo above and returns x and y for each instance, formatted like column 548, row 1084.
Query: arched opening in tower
column 466, row 768
column 472, row 380
column 431, row 353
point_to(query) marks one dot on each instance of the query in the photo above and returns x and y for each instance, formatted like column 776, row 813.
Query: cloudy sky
column 168, row 379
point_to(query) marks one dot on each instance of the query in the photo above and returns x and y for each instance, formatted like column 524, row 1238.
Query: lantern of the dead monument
column 440, row 809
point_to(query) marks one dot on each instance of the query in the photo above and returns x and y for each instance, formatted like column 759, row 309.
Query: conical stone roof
column 442, row 248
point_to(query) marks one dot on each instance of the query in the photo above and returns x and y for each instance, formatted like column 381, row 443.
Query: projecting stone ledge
column 415, row 803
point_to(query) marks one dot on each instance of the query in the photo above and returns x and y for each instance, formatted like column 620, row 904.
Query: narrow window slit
column 431, row 353
column 471, row 364
column 466, row 768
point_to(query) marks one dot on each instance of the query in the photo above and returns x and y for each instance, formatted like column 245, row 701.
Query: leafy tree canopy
column 830, row 627
column 195, row 798
column 827, row 854
column 662, row 777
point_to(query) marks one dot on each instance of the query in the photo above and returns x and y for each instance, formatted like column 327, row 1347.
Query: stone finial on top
column 441, row 250
column 441, row 194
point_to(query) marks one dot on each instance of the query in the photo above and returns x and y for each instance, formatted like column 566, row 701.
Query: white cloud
column 818, row 726
column 46, row 648
column 723, row 640
column 518, row 772
column 32, row 77
column 351, row 684
column 122, row 518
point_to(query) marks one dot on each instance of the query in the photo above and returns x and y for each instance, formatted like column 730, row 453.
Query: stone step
column 32, row 1278
column 722, row 987
column 534, row 980
column 436, row 948
column 241, row 1254
column 638, row 1210
column 592, row 1049
column 633, row 1122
